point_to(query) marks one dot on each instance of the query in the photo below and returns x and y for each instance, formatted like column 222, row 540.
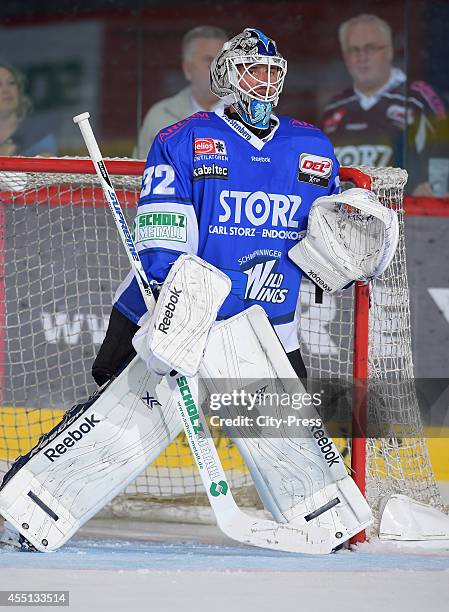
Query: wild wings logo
column 261, row 282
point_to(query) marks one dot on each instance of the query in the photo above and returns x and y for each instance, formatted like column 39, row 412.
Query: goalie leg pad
column 300, row 478
column 89, row 457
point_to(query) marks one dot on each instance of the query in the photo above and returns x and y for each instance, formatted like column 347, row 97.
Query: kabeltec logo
column 214, row 171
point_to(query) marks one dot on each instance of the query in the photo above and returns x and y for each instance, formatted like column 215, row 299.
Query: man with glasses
column 383, row 120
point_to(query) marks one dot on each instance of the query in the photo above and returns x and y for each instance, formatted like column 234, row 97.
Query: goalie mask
column 249, row 73
column 350, row 236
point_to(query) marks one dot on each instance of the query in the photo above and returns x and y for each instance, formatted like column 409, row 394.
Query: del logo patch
column 314, row 169
column 397, row 114
column 209, row 146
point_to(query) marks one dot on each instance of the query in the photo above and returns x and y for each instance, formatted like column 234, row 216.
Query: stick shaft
column 119, row 218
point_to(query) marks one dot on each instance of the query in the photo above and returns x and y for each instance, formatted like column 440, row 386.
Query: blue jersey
column 214, row 189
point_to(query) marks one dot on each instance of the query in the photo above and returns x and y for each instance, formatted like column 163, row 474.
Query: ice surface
column 186, row 568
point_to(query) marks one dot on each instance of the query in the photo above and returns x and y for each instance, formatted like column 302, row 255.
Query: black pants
column 117, row 348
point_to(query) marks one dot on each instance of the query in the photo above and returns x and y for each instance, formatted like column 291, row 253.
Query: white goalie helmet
column 236, row 77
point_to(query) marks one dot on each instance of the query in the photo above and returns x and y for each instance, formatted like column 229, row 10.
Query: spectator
column 381, row 121
column 199, row 47
column 20, row 134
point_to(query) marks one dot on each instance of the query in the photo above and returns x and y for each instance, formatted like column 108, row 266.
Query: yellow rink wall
column 20, row 429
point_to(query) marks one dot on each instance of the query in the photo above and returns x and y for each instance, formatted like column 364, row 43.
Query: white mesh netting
column 61, row 262
column 397, row 455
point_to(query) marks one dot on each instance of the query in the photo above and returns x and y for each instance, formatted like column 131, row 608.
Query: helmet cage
column 239, row 71
column 256, row 101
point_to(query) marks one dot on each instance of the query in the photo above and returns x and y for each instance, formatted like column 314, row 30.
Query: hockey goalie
column 235, row 208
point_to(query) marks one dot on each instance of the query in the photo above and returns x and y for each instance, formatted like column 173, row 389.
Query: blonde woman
column 20, row 134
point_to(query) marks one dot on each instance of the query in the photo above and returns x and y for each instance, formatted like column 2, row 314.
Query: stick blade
column 263, row 533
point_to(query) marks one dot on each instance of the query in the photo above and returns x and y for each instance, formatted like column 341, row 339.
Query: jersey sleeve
column 334, row 178
column 426, row 121
column 322, row 155
column 165, row 224
column 426, row 110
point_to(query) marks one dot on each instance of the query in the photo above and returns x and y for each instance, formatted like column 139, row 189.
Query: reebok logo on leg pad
column 326, row 445
column 71, row 438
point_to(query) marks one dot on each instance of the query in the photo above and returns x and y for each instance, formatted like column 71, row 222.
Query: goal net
column 60, row 264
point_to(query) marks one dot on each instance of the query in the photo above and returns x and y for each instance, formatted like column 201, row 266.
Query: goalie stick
column 230, row 519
